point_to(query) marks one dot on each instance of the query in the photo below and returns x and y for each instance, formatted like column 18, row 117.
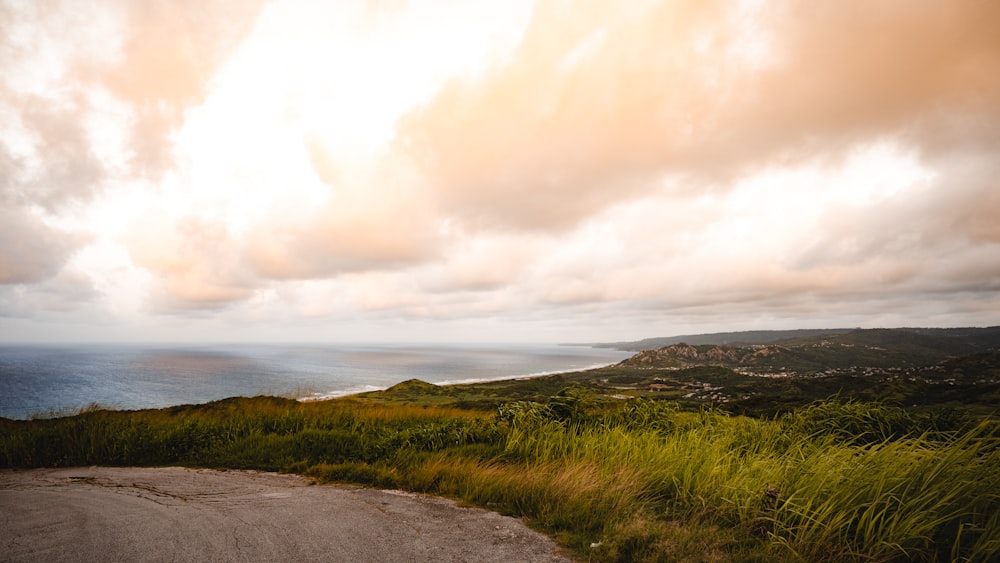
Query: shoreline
column 44, row 384
column 315, row 398
column 450, row 382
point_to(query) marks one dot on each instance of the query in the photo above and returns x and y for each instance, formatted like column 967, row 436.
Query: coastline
column 450, row 382
column 53, row 381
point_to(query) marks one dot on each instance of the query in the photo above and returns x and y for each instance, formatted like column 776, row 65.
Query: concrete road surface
column 176, row 514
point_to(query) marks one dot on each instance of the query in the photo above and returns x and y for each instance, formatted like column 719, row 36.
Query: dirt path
column 176, row 514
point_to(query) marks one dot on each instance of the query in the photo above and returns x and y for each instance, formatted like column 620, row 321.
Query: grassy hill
column 811, row 353
column 867, row 446
column 915, row 370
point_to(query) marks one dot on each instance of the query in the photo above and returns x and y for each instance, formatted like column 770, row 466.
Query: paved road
column 176, row 514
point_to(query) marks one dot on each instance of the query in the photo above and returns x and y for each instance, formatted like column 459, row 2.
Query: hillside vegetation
column 683, row 457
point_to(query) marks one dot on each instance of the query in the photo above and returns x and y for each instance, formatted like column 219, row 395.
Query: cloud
column 952, row 212
column 599, row 104
column 67, row 291
column 835, row 76
column 30, row 250
column 75, row 80
column 206, row 259
column 168, row 53
column 582, row 115
column 51, row 161
column 66, row 67
column 642, row 162
column 470, row 263
column 341, row 237
column 965, row 200
column 196, row 262
column 369, row 218
column 61, row 168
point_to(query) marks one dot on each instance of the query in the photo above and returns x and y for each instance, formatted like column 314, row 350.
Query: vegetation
column 920, row 369
column 834, row 446
column 953, row 341
column 612, row 480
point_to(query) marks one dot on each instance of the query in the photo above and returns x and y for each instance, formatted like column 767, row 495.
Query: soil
column 178, row 514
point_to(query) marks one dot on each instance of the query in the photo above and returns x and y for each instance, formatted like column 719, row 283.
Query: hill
column 970, row 338
column 918, row 369
column 744, row 338
column 828, row 353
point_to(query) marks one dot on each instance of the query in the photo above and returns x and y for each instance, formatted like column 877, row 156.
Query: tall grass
column 645, row 481
column 263, row 432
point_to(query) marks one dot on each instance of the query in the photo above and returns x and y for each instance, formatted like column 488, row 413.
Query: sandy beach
column 178, row 514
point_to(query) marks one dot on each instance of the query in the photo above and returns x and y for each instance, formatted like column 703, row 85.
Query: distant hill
column 722, row 338
column 949, row 373
column 950, row 341
column 810, row 353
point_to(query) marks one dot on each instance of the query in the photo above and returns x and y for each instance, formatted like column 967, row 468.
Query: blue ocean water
column 60, row 379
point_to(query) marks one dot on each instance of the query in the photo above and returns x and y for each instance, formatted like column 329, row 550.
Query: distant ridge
column 984, row 337
column 743, row 338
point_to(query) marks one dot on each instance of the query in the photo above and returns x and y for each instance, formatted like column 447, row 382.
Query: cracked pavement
column 178, row 514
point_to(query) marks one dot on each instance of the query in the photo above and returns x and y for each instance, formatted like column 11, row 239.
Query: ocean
column 52, row 380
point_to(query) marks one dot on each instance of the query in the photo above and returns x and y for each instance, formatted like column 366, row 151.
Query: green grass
column 637, row 480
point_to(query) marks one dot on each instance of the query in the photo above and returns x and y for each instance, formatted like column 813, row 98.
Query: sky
column 552, row 171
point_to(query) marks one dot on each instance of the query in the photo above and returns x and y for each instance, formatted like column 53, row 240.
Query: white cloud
column 496, row 168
